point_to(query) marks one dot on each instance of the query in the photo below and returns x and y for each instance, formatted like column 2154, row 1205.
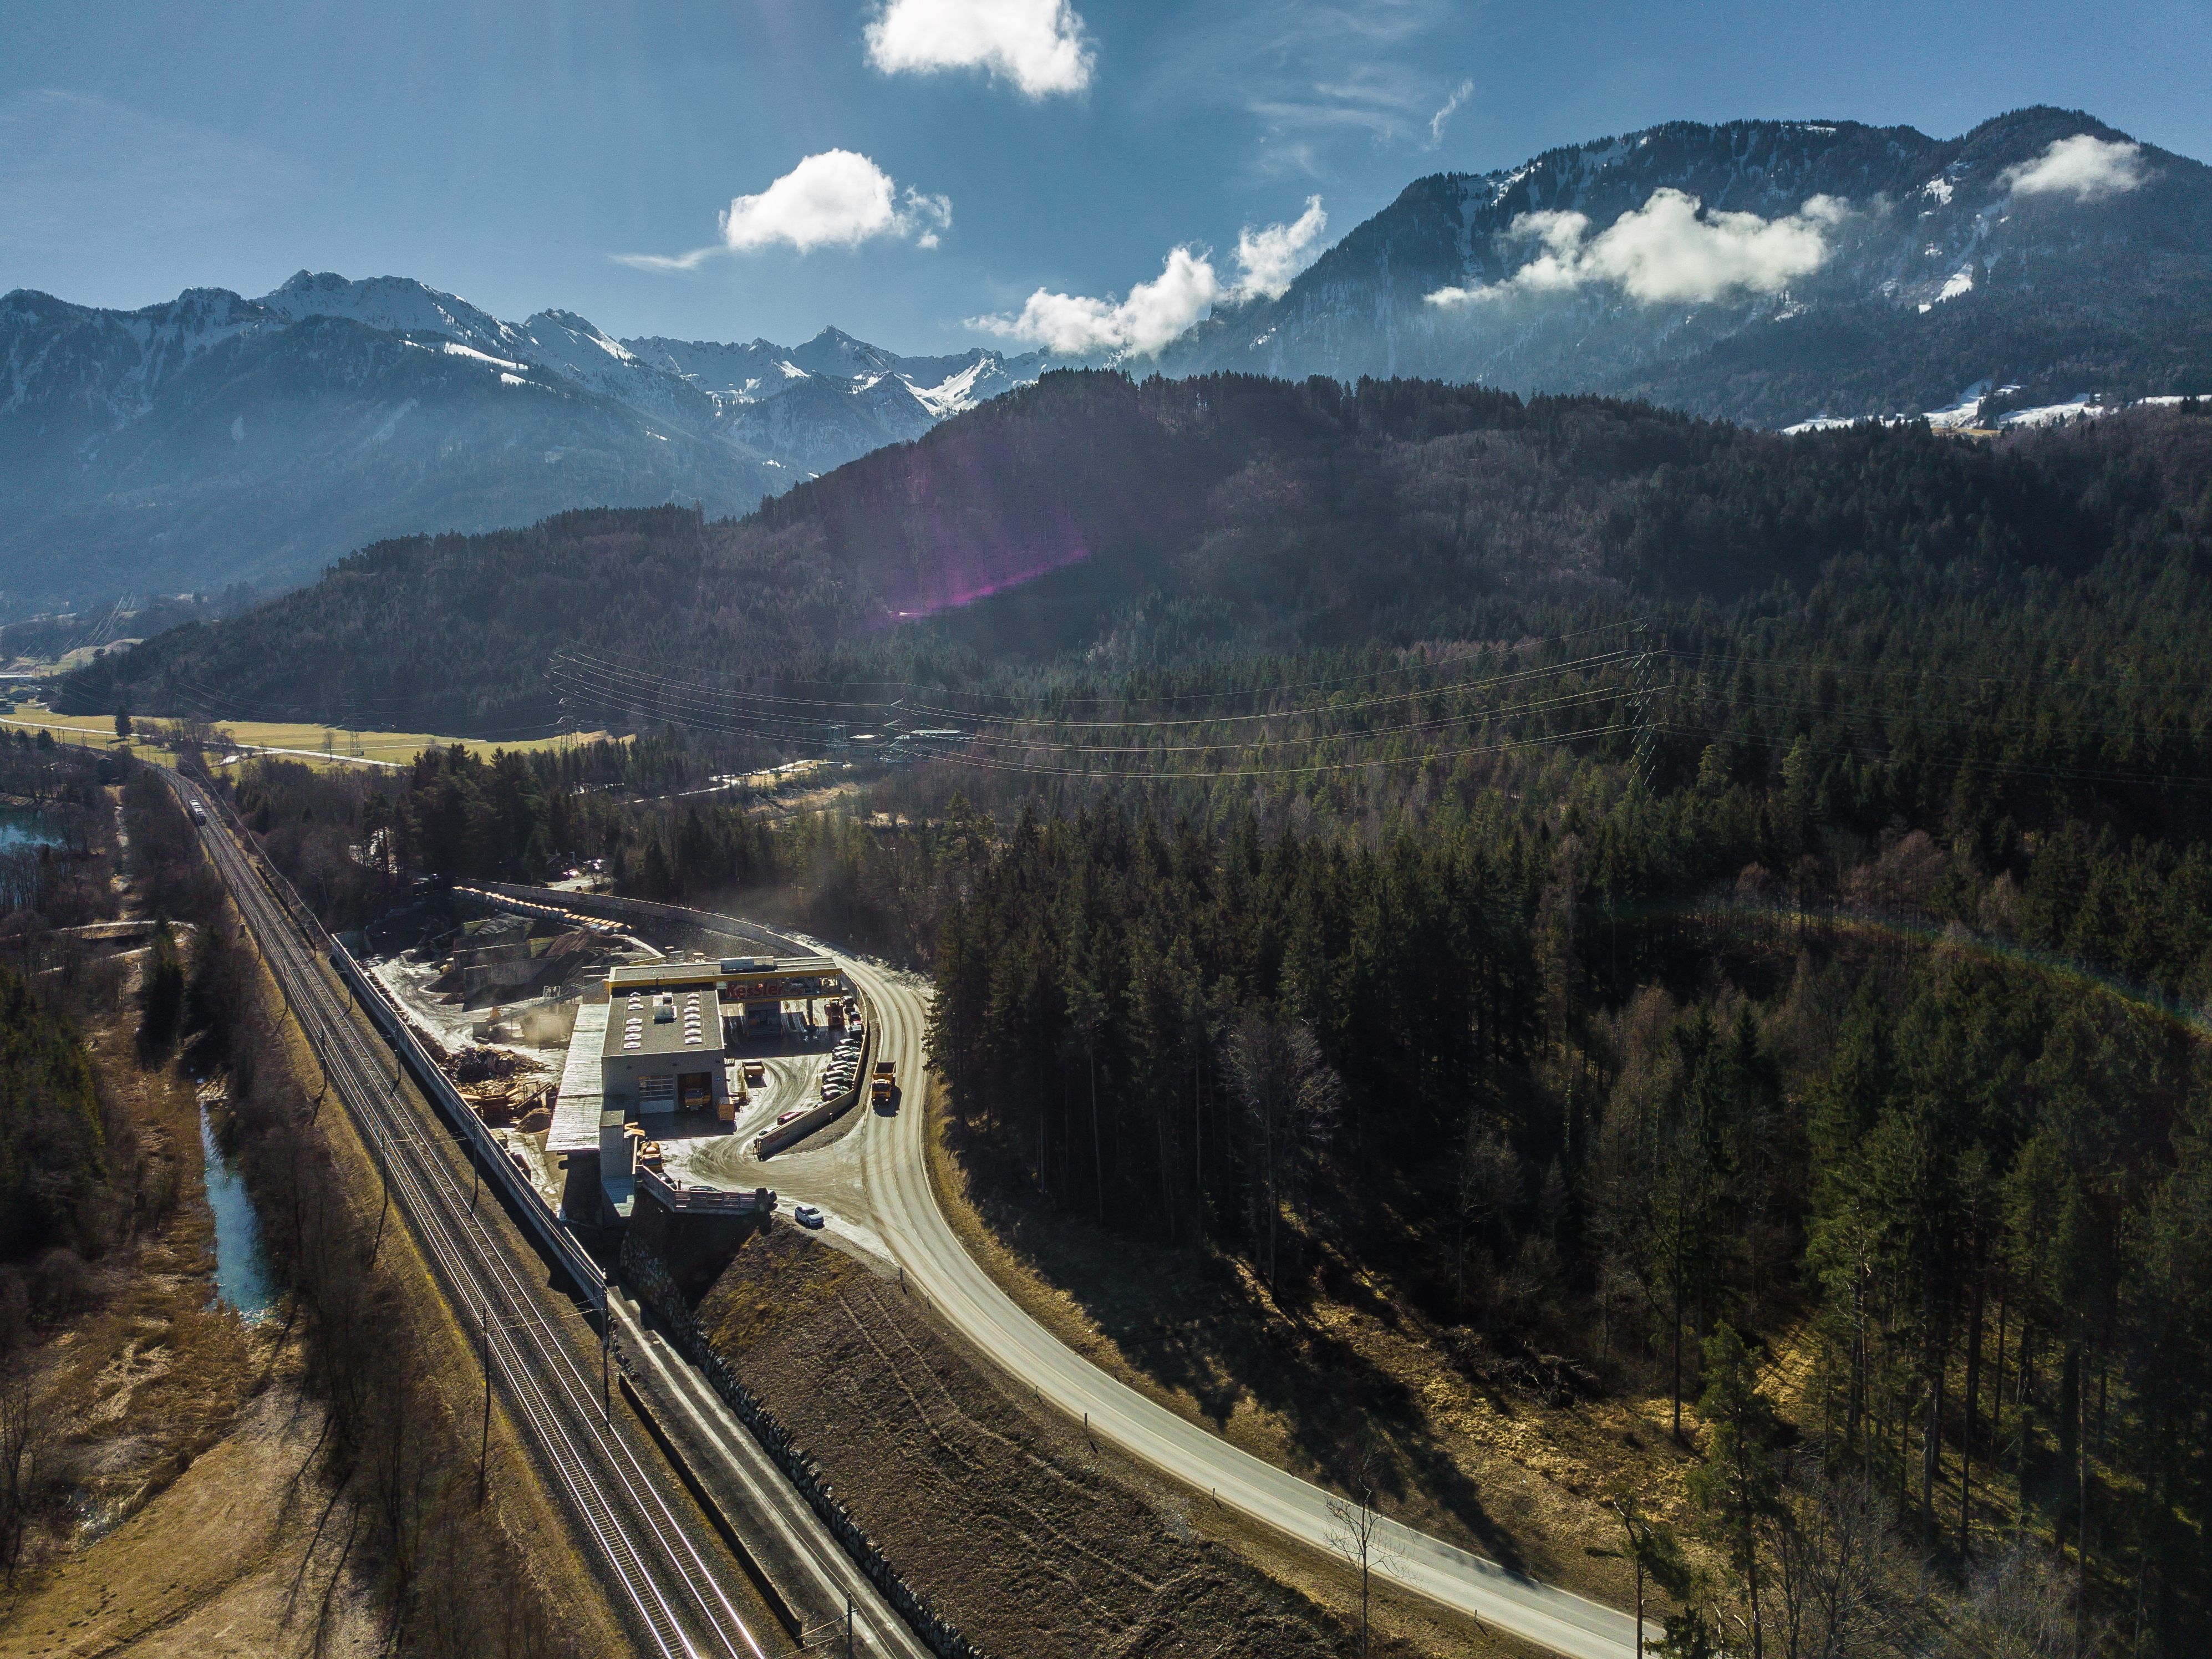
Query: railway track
column 537, row 1342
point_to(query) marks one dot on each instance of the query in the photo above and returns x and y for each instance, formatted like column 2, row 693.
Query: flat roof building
column 663, row 1049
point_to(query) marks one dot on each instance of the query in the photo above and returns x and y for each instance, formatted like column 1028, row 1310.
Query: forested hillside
column 1143, row 523
column 1818, row 949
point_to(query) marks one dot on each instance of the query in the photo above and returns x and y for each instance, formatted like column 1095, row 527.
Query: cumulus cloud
column 1665, row 251
column 1153, row 313
column 1038, row 44
column 1271, row 256
column 838, row 199
column 1459, row 96
column 2084, row 166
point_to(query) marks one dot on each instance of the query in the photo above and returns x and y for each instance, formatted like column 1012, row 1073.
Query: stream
column 242, row 1277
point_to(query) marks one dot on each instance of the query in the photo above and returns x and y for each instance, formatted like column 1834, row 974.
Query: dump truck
column 884, row 1084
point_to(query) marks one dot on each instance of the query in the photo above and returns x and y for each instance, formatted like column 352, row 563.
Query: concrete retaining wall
column 439, row 1088
column 630, row 909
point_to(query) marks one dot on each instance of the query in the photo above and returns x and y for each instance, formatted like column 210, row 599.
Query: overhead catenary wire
column 634, row 687
column 911, row 686
column 1021, row 739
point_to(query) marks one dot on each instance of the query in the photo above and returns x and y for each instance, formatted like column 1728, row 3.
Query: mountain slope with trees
column 1139, row 523
column 1820, row 1057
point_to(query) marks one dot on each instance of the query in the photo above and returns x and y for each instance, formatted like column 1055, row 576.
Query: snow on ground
column 2077, row 408
column 455, row 349
column 1965, row 415
column 952, row 394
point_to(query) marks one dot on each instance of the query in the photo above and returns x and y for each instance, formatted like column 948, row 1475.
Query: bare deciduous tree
column 1846, row 1586
column 1360, row 1533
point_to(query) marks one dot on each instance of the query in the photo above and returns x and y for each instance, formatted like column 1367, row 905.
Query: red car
column 796, row 1111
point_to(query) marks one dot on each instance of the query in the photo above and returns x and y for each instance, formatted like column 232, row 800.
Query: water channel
column 25, row 826
column 242, row 1277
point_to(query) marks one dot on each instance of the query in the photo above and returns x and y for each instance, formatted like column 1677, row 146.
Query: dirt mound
column 1032, row 1541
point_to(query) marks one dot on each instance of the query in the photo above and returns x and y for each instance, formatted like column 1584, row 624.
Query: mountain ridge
column 134, row 439
column 1849, row 271
column 1942, row 269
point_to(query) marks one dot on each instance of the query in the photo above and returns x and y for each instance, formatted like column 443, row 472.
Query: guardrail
column 703, row 1201
column 438, row 1089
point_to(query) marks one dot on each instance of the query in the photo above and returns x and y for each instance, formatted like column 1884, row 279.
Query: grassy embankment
column 296, row 739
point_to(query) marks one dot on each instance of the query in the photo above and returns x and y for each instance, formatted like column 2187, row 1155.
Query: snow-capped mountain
column 1771, row 271
column 215, row 439
column 845, row 396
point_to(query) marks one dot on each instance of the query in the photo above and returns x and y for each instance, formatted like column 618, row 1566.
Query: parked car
column 796, row 1111
column 807, row 1216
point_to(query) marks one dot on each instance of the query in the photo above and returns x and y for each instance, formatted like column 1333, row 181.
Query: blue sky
column 587, row 154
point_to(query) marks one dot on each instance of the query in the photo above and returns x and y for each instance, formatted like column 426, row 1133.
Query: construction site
column 633, row 1083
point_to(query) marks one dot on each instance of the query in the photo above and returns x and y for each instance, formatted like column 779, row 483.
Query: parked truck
column 884, row 1084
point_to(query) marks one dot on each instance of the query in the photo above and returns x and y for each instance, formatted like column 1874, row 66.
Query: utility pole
column 848, row 1624
column 484, row 1448
column 606, row 1341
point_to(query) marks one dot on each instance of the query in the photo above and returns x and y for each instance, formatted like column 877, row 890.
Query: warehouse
column 753, row 990
column 656, row 1041
column 662, row 1051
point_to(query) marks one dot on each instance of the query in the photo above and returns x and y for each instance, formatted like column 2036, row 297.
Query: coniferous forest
column 1701, row 909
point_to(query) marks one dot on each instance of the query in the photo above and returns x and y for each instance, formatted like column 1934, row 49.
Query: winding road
column 873, row 1184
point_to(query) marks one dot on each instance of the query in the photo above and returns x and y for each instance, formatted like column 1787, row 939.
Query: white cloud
column 1665, row 251
column 838, row 199
column 1271, row 256
column 1038, row 44
column 1459, row 96
column 1155, row 313
column 2085, row 166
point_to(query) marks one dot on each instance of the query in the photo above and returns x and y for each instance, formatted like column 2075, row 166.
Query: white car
column 807, row 1216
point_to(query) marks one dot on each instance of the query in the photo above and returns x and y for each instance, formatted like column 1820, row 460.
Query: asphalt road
column 874, row 1185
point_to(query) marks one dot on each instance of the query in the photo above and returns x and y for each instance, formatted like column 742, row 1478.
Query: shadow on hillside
column 1196, row 1325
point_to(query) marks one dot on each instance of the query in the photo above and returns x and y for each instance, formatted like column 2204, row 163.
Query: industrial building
column 650, row 1059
